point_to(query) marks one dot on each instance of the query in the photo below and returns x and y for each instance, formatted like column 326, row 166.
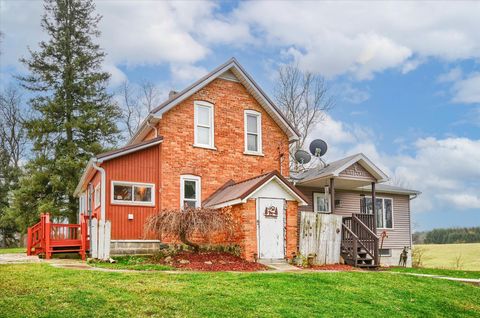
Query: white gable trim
column 367, row 164
column 289, row 194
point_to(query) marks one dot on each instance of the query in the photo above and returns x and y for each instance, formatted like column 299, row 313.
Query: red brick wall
column 216, row 167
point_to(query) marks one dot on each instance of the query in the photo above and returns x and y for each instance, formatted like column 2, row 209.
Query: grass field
column 445, row 256
column 40, row 290
column 12, row 250
column 438, row 272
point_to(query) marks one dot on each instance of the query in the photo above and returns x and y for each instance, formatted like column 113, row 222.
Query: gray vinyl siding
column 398, row 237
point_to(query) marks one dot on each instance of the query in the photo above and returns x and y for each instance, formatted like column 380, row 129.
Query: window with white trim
column 385, row 252
column 204, row 126
column 81, row 203
column 190, row 191
column 384, row 207
column 321, row 202
column 132, row 193
column 97, row 196
column 253, row 132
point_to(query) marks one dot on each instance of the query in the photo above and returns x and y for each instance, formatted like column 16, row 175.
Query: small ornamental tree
column 190, row 223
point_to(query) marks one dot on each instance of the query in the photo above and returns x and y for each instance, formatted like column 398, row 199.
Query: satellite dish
column 318, row 147
column 302, row 157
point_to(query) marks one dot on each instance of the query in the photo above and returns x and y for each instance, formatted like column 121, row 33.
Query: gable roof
column 109, row 155
column 232, row 193
column 334, row 169
column 230, row 67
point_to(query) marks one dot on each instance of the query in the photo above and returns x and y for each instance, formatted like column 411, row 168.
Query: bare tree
column 131, row 110
column 150, row 95
column 190, row 223
column 13, row 137
column 136, row 101
column 303, row 97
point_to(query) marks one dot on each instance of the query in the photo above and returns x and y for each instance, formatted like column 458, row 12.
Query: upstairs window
column 253, row 132
column 190, row 191
column 133, row 193
column 204, row 130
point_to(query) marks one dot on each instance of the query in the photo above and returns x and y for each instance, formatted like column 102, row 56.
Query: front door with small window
column 271, row 218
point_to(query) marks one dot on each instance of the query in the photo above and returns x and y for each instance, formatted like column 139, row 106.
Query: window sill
column 249, row 153
column 204, row 147
column 150, row 205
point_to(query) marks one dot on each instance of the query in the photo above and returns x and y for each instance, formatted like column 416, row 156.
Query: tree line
column 61, row 112
column 448, row 236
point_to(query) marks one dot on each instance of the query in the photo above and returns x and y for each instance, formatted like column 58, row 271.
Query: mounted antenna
column 302, row 157
column 318, row 148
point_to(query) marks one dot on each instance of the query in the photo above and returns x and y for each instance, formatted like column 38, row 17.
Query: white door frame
column 284, row 213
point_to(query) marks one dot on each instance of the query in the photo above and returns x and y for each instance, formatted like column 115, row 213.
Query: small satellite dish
column 302, row 156
column 318, row 147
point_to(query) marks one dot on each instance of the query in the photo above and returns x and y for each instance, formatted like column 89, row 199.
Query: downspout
column 103, row 189
column 153, row 127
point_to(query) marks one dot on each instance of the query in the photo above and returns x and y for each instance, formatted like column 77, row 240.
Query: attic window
column 204, row 127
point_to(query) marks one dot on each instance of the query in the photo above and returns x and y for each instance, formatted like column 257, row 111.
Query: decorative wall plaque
column 271, row 211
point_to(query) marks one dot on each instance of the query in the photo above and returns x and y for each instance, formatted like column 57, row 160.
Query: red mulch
column 220, row 262
column 333, row 267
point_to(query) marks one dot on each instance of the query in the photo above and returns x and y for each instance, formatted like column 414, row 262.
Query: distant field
column 445, row 255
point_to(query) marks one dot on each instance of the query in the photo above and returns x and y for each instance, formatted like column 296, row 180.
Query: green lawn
column 13, row 250
column 39, row 290
column 445, row 256
column 439, row 272
column 138, row 263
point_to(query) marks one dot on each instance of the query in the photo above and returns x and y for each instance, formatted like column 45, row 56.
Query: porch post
column 332, row 195
column 374, row 208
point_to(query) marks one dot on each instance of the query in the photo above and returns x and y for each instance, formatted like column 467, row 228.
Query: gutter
column 103, row 188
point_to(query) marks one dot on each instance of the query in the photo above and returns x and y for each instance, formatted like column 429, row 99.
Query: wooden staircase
column 359, row 245
column 47, row 238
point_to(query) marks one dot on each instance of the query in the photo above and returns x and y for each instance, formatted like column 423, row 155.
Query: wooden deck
column 47, row 238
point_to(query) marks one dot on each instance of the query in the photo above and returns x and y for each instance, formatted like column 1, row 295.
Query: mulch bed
column 333, row 267
column 213, row 261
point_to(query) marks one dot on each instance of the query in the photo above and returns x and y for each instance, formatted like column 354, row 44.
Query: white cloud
column 363, row 38
column 467, row 90
column 452, row 75
column 186, row 73
column 446, row 171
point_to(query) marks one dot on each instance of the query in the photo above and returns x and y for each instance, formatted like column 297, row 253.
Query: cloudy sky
column 406, row 76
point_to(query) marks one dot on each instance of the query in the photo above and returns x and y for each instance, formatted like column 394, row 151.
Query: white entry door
column 270, row 215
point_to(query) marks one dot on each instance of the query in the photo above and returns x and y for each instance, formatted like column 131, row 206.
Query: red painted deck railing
column 48, row 238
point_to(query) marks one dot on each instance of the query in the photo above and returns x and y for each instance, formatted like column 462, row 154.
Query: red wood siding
column 142, row 167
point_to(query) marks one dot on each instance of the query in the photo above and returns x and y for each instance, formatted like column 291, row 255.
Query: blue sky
column 405, row 76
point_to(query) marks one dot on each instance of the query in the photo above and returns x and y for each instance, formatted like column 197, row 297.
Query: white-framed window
column 321, row 202
column 253, row 132
column 133, row 193
column 204, row 125
column 190, row 191
column 97, row 196
column 82, row 202
column 384, row 207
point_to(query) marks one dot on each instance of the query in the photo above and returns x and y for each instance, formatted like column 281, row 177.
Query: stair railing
column 349, row 242
column 366, row 237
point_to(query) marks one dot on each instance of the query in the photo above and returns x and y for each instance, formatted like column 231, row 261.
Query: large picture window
column 190, row 191
column 253, row 132
column 384, row 207
column 204, row 126
column 321, row 202
column 133, row 193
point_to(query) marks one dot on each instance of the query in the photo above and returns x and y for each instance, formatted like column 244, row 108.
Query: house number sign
column 271, row 212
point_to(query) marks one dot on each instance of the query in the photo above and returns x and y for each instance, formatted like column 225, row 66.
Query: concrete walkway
column 18, row 258
column 456, row 279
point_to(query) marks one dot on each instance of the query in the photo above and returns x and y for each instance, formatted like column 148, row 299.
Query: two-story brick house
column 219, row 142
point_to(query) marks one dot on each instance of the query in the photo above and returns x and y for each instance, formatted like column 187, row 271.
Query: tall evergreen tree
column 74, row 114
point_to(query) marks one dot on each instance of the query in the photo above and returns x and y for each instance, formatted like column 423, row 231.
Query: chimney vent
column 172, row 94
